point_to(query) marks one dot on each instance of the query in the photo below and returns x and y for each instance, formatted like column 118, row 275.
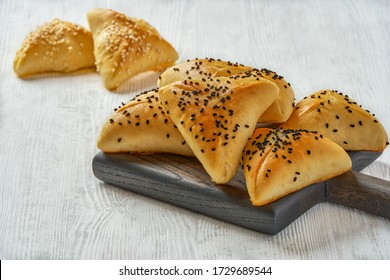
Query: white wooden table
column 52, row 206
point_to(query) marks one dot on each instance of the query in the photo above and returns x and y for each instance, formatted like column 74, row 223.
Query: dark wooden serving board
column 182, row 181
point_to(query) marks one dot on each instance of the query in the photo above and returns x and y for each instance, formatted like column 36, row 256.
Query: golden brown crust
column 216, row 117
column 56, row 46
column 283, row 106
column 125, row 47
column 196, row 69
column 278, row 162
column 339, row 118
column 200, row 68
column 142, row 126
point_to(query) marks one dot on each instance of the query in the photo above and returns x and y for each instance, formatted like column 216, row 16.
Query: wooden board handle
column 360, row 191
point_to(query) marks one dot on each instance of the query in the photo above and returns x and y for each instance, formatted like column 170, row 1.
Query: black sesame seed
column 119, row 139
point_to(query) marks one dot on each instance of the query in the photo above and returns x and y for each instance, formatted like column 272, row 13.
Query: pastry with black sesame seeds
column 341, row 119
column 283, row 106
column 142, row 126
column 125, row 47
column 278, row 162
column 56, row 46
column 216, row 117
column 198, row 69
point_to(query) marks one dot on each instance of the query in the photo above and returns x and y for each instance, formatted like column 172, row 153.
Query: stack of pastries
column 207, row 108
column 211, row 109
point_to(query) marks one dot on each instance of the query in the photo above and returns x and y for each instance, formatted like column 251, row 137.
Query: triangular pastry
column 278, row 162
column 142, row 126
column 216, row 116
column 283, row 106
column 125, row 47
column 56, row 46
column 197, row 69
column 341, row 119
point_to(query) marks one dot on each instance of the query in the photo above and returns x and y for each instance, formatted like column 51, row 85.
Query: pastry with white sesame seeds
column 278, row 162
column 125, row 47
column 216, row 117
column 142, row 126
column 56, row 46
column 341, row 119
column 198, row 69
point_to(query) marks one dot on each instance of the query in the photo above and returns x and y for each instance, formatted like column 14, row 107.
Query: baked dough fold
column 216, row 117
column 125, row 47
column 341, row 119
column 56, row 46
column 196, row 69
column 142, row 126
column 278, row 162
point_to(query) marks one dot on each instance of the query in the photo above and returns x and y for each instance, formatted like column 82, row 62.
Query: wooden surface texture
column 182, row 181
column 52, row 206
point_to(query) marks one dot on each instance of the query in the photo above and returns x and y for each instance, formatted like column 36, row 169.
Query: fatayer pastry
column 224, row 114
column 210, row 109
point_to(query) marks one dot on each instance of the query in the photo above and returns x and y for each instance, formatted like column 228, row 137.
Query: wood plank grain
column 360, row 191
column 182, row 181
